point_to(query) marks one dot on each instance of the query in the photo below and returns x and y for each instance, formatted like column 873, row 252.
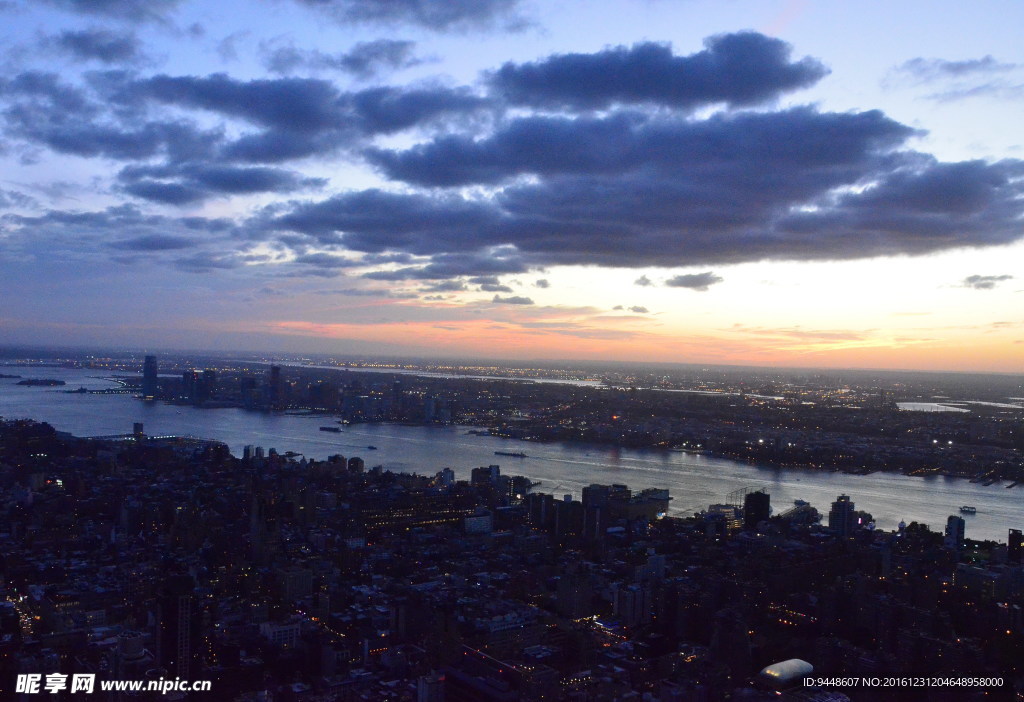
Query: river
column 693, row 480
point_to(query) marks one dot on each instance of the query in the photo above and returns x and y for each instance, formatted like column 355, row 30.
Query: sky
column 763, row 182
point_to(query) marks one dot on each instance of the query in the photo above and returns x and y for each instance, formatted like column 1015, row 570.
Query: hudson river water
column 693, row 480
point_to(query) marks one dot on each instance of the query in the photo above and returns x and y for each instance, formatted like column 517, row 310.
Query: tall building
column 595, row 500
column 189, row 384
column 955, row 528
column 178, row 621
column 756, row 509
column 1014, row 546
column 149, row 378
column 206, row 386
column 274, row 386
column 842, row 518
column 485, row 475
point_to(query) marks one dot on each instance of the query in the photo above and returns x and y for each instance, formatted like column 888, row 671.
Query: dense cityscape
column 850, row 421
column 274, row 575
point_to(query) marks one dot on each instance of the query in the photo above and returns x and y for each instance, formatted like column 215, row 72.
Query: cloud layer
column 632, row 157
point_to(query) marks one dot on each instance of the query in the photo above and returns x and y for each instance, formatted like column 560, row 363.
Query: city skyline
column 748, row 183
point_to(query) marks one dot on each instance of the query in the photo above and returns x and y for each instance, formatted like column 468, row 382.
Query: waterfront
column 694, row 480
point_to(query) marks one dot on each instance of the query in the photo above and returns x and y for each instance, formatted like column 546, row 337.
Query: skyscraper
column 206, row 386
column 178, row 621
column 149, row 375
column 189, row 384
column 1014, row 547
column 274, row 386
column 842, row 518
column 955, row 528
column 756, row 509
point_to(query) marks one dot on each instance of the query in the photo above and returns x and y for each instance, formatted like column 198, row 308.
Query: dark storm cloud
column 300, row 113
column 797, row 150
column 746, row 68
column 192, row 182
column 984, row 282
column 444, row 286
column 42, row 108
column 364, row 60
column 45, row 93
column 70, row 136
column 485, row 280
column 927, row 207
column 387, row 258
column 934, row 69
column 154, row 242
column 757, row 199
column 323, row 260
column 165, row 193
column 77, row 236
column 205, row 262
column 386, row 110
column 376, row 221
column 643, row 281
column 694, row 281
column 489, row 283
column 492, row 261
column 228, row 179
column 455, row 265
column 131, row 10
column 542, row 283
column 300, row 116
column 99, row 44
column 512, row 300
column 295, row 104
column 437, row 15
column 124, row 218
column 278, row 146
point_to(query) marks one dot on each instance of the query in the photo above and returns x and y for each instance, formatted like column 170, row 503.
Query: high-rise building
column 756, row 509
column 842, row 517
column 274, row 386
column 189, row 384
column 1014, row 546
column 596, row 519
column 485, row 475
column 149, row 378
column 206, row 385
column 178, row 621
column 955, row 529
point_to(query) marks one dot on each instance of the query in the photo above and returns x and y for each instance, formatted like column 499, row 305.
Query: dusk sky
column 788, row 183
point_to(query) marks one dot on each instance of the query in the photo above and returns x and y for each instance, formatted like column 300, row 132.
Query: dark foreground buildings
column 287, row 579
